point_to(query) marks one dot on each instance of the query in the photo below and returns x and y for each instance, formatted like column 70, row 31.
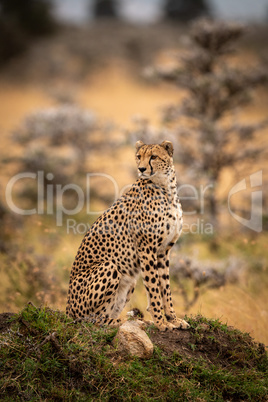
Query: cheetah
column 134, row 236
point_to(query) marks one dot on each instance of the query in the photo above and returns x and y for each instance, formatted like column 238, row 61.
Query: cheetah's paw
column 181, row 324
column 177, row 323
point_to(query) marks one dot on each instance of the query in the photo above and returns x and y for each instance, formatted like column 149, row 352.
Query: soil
column 225, row 349
column 5, row 322
column 212, row 345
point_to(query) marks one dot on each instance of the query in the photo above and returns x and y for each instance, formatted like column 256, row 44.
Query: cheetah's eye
column 153, row 156
column 138, row 156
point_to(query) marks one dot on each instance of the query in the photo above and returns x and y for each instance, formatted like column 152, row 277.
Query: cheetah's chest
column 173, row 226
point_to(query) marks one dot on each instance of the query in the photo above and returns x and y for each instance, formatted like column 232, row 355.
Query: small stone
column 132, row 339
column 205, row 327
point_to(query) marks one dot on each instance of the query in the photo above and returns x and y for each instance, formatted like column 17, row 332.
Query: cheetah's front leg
column 164, row 282
column 150, row 278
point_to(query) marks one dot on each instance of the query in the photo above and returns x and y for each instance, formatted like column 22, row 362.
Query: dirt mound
column 211, row 341
column 5, row 321
column 48, row 356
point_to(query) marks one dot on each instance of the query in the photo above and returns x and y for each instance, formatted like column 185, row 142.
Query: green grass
column 46, row 356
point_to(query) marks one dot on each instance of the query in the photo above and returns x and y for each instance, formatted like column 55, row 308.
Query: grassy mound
column 46, row 356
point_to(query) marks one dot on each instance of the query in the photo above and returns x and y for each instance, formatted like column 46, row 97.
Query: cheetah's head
column 154, row 160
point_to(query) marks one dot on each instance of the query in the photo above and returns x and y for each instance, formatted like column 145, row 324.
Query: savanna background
column 80, row 83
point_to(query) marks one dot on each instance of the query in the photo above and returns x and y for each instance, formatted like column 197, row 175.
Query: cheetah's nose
column 142, row 169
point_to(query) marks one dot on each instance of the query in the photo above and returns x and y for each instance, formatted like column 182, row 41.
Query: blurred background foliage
column 80, row 83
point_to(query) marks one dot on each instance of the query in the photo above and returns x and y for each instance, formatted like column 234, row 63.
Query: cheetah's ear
column 168, row 147
column 139, row 144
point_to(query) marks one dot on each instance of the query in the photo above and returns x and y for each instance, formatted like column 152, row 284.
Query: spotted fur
column 134, row 236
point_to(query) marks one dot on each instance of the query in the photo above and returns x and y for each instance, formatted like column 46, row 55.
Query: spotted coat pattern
column 134, row 236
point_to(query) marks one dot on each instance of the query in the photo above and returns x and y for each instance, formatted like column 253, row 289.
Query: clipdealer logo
column 50, row 200
column 50, row 197
column 255, row 220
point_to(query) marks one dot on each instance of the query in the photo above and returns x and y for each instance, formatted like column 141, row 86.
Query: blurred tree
column 59, row 143
column 47, row 131
column 215, row 89
column 185, row 10
column 20, row 21
column 32, row 16
column 105, row 8
column 203, row 276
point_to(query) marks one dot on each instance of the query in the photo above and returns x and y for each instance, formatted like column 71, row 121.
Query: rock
column 205, row 327
column 132, row 339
